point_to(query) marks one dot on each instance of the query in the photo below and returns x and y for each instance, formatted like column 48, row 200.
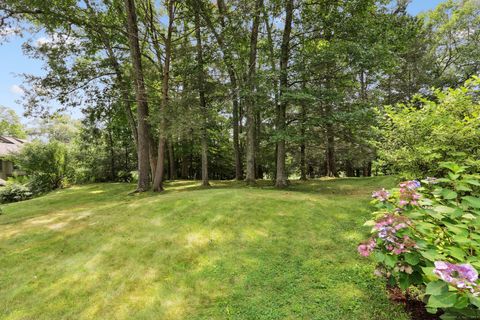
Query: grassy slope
column 229, row 252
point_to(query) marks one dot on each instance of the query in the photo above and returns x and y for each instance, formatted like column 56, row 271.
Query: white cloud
column 16, row 89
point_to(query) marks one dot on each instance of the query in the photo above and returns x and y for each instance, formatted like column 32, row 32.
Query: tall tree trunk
column 153, row 156
column 303, row 166
column 159, row 172
column 303, row 120
column 184, row 167
column 112, row 154
column 273, row 66
column 234, row 89
column 250, row 98
column 201, row 91
column 331, row 170
column 127, row 153
column 367, row 169
column 281, row 179
column 350, row 170
column 171, row 161
column 141, row 97
column 152, row 30
column 258, row 133
column 236, row 135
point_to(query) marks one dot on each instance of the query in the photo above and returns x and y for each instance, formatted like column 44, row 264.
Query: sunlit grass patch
column 224, row 252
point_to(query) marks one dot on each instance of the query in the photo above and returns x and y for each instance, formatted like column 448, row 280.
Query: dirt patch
column 415, row 308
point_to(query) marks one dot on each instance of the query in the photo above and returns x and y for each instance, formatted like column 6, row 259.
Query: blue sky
column 13, row 63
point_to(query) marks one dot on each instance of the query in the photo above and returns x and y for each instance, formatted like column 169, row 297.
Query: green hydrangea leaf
column 432, row 255
column 475, row 301
column 472, row 201
column 448, row 194
column 436, row 288
column 457, row 253
column 390, row 261
column 412, row 259
column 472, row 182
column 445, row 300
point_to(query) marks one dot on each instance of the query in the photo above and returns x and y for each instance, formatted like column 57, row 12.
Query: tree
column 228, row 59
column 250, row 99
column 201, row 92
column 141, row 98
column 158, row 180
column 288, row 92
column 454, row 44
column 10, row 124
column 281, row 176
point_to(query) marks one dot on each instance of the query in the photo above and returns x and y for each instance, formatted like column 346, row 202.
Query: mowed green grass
column 226, row 252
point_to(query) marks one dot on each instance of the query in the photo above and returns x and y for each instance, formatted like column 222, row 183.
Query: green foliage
column 10, row 124
column 415, row 138
column 454, row 45
column 417, row 228
column 103, row 153
column 58, row 127
column 47, row 164
column 14, row 192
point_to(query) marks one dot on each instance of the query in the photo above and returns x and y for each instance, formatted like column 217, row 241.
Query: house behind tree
column 8, row 146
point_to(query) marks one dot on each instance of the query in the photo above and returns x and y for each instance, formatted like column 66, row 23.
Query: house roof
column 10, row 145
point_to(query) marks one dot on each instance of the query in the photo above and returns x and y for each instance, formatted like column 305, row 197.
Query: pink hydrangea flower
column 381, row 195
column 388, row 228
column 365, row 249
column 410, row 185
column 408, row 195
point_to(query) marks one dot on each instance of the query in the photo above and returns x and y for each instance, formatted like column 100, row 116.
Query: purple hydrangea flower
column 387, row 229
column 408, row 195
column 461, row 276
column 410, row 185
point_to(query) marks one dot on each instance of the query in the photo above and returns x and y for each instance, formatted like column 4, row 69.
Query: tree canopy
column 257, row 89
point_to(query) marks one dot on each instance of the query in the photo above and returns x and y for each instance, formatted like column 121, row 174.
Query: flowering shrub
column 426, row 235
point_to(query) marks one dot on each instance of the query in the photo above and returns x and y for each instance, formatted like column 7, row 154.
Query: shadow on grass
column 340, row 186
column 201, row 255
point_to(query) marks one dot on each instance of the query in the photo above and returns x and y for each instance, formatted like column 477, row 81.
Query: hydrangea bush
column 425, row 234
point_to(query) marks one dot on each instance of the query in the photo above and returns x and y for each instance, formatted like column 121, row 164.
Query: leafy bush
column 426, row 235
column 414, row 139
column 13, row 192
column 47, row 165
column 125, row 176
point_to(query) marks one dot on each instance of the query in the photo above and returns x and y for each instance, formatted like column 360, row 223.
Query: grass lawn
column 227, row 252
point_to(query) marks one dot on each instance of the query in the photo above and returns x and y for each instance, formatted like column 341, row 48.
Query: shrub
column 426, row 235
column 414, row 139
column 125, row 176
column 14, row 192
column 47, row 165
